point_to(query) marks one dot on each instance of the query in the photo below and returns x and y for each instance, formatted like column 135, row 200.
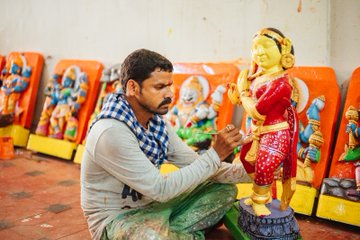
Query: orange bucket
column 6, row 148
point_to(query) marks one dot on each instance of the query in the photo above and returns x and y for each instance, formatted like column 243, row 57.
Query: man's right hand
column 227, row 140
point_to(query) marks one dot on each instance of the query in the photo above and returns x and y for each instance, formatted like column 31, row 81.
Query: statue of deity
column 192, row 115
column 63, row 102
column 310, row 141
column 265, row 94
column 52, row 94
column 15, row 80
column 352, row 149
column 110, row 83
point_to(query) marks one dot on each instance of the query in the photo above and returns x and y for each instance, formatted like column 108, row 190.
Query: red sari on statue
column 277, row 135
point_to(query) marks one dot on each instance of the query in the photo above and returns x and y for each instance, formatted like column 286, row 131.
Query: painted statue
column 192, row 115
column 64, row 96
column 266, row 97
column 310, row 141
column 347, row 185
column 15, row 80
column 352, row 149
column 110, row 83
column 52, row 94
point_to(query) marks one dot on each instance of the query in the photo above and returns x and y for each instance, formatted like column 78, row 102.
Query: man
column 123, row 193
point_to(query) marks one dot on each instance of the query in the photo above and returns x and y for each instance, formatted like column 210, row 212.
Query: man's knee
column 232, row 190
column 226, row 190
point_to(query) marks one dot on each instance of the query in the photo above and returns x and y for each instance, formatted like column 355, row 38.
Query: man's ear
column 132, row 88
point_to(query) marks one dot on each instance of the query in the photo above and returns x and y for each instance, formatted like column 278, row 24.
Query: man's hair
column 140, row 64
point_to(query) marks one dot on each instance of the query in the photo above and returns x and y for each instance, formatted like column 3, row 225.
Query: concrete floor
column 40, row 199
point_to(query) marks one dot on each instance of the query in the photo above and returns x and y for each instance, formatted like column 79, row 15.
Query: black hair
column 278, row 44
column 140, row 64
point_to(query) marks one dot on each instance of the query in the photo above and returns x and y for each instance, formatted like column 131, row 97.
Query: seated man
column 123, row 193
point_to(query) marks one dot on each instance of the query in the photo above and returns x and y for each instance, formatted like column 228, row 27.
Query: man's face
column 156, row 94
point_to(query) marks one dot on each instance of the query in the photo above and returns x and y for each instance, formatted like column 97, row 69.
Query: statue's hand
column 243, row 83
column 202, row 113
column 26, row 72
column 66, row 92
column 199, row 115
column 233, row 94
column 212, row 113
column 313, row 154
column 217, row 95
column 351, row 127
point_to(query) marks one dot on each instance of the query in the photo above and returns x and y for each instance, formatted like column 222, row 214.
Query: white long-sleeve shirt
column 113, row 158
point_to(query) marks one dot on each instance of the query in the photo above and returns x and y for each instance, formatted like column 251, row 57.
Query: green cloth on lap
column 184, row 217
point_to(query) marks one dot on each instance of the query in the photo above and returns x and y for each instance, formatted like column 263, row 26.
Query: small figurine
column 352, row 149
column 192, row 115
column 347, row 186
column 110, row 83
column 266, row 97
column 63, row 102
column 310, row 141
column 52, row 95
column 15, row 80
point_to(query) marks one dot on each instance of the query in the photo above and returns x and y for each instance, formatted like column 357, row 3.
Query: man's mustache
column 166, row 101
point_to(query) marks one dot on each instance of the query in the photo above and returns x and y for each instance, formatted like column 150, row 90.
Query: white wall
column 182, row 30
column 345, row 40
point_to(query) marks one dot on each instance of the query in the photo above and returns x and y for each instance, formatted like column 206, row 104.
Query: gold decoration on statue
column 353, row 117
column 287, row 60
column 233, row 94
column 270, row 34
column 316, row 140
column 295, row 94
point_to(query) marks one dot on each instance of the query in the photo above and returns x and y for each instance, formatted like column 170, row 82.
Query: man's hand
column 227, row 140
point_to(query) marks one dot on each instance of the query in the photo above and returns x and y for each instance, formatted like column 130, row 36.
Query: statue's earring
column 287, row 59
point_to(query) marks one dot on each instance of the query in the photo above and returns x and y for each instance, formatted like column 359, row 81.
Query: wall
column 345, row 40
column 182, row 30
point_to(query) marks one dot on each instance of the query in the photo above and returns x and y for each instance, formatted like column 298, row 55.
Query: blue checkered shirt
column 153, row 142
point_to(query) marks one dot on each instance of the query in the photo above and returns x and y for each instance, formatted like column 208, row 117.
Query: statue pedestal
column 19, row 134
column 278, row 225
column 302, row 201
column 51, row 146
column 339, row 201
column 79, row 153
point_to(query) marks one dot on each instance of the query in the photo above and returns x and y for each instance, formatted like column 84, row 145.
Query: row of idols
column 77, row 88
